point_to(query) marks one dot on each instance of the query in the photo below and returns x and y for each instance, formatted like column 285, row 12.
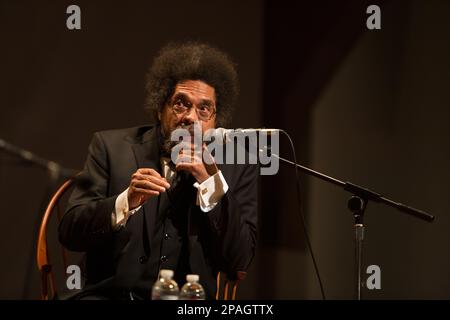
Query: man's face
column 197, row 99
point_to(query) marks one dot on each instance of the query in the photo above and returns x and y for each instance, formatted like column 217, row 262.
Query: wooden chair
column 226, row 285
column 48, row 282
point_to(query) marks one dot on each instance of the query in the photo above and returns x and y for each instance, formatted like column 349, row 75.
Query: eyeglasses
column 204, row 111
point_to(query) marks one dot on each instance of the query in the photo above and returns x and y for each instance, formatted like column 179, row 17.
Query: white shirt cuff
column 210, row 191
column 121, row 211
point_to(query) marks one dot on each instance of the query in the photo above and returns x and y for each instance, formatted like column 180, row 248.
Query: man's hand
column 145, row 183
column 190, row 159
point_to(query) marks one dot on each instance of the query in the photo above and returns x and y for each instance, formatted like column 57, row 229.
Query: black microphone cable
column 302, row 216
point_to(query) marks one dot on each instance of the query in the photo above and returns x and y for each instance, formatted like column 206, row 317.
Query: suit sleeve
column 234, row 222
column 87, row 221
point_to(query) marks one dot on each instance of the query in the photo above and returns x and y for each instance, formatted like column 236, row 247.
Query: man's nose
column 190, row 116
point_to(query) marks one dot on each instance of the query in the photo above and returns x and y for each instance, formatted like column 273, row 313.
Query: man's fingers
column 190, row 148
column 157, row 180
column 185, row 166
column 188, row 158
column 148, row 171
column 145, row 184
column 188, row 162
column 145, row 192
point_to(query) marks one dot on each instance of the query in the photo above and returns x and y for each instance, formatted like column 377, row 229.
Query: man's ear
column 158, row 114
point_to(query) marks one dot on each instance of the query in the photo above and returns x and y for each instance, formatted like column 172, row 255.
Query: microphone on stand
column 226, row 134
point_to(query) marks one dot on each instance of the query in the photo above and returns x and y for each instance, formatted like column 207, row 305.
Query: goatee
column 167, row 143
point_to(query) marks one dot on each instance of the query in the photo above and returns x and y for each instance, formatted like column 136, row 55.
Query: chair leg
column 53, row 285
column 44, row 284
column 233, row 295
column 218, row 286
column 225, row 295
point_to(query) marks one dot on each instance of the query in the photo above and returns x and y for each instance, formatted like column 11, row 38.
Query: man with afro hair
column 146, row 212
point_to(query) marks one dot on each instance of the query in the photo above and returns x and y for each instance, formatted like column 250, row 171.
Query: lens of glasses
column 203, row 113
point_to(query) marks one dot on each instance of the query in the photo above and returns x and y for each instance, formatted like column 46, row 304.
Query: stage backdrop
column 369, row 106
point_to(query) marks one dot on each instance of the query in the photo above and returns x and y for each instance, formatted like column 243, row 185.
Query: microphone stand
column 357, row 205
column 56, row 172
column 54, row 169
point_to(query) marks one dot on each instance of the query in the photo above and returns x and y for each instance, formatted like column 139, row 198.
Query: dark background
column 371, row 107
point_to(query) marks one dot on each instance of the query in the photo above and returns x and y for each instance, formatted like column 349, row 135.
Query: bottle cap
column 166, row 273
column 192, row 278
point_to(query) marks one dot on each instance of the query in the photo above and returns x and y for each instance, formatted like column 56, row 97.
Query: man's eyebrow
column 185, row 98
column 208, row 102
column 180, row 95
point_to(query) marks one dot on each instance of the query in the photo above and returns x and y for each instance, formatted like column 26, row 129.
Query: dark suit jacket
column 223, row 239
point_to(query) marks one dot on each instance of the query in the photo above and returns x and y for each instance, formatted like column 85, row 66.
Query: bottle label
column 169, row 297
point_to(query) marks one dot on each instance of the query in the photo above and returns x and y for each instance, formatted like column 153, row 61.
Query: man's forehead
column 195, row 89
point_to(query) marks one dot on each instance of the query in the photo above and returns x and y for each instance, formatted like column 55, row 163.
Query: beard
column 167, row 143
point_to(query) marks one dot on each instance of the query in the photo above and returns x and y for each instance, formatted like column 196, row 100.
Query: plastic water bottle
column 165, row 288
column 192, row 289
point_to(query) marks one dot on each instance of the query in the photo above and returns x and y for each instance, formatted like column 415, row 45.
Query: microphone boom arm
column 362, row 192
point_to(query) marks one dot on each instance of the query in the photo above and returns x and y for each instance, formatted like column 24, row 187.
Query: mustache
column 168, row 144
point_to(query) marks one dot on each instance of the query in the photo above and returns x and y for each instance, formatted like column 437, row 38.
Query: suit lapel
column 147, row 155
